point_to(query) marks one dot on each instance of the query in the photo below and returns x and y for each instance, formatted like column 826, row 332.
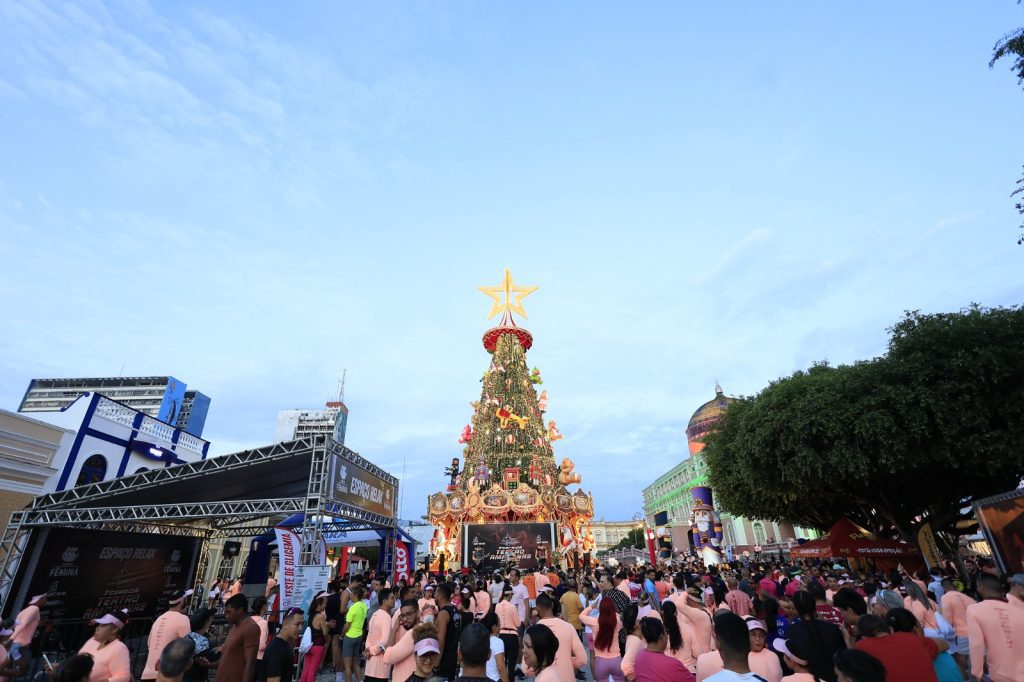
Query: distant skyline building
column 164, row 398
column 331, row 421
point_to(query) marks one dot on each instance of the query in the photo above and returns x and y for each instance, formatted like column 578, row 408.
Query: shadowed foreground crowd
column 677, row 623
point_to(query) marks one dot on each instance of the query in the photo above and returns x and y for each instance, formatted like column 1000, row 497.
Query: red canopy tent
column 847, row 540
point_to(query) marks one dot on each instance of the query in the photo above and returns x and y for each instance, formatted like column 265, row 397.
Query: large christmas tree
column 509, row 470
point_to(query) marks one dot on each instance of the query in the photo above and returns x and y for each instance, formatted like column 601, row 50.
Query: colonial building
column 669, row 503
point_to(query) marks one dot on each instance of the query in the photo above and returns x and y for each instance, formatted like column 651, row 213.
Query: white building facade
column 331, row 421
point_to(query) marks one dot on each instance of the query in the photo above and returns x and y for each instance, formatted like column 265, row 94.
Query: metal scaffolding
column 237, row 495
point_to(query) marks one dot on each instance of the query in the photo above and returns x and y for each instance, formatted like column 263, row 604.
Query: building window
column 728, row 538
column 759, row 536
column 227, row 568
column 93, row 470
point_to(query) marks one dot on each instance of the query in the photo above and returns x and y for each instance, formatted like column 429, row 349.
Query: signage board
column 356, row 486
column 1002, row 520
column 309, row 581
column 491, row 546
column 86, row 573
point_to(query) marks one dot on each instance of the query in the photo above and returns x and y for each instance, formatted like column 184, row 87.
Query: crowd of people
column 678, row 622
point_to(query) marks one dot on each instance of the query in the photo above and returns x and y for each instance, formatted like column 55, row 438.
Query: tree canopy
column 891, row 442
column 1012, row 46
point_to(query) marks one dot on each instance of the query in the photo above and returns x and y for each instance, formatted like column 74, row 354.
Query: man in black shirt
column 278, row 656
column 449, row 626
column 474, row 650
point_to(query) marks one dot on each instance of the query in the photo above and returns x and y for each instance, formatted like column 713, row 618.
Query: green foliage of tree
column 1012, row 46
column 891, row 442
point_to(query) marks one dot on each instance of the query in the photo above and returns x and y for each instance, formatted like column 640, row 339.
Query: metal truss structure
column 271, row 483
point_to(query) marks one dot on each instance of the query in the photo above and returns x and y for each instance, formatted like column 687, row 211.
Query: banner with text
column 354, row 486
column 85, row 573
column 1002, row 520
column 309, row 581
column 496, row 545
column 289, row 548
column 402, row 562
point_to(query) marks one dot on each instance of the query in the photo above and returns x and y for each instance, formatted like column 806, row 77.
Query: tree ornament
column 535, row 376
column 542, row 401
column 553, row 432
column 510, row 438
column 505, row 416
column 467, row 434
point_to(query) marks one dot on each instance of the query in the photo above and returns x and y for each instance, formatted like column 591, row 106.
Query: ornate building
column 669, row 501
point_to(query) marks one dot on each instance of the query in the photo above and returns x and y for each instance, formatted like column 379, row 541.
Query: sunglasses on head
column 292, row 611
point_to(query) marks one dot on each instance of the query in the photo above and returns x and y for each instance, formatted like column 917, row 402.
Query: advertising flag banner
column 289, row 548
column 402, row 562
column 929, row 548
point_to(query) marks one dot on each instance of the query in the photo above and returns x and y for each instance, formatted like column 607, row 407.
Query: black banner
column 357, row 487
column 495, row 545
column 86, row 573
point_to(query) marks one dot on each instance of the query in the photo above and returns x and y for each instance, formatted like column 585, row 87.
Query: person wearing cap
column 111, row 659
column 762, row 660
column 428, row 598
column 25, row 624
column 797, row 660
column 171, row 625
column 508, row 630
column 954, row 606
column 427, row 650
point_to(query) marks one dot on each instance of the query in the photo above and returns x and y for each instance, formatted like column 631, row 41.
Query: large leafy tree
column 1011, row 46
column 892, row 442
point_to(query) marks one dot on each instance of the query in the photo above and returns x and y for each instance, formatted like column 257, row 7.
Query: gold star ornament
column 513, row 300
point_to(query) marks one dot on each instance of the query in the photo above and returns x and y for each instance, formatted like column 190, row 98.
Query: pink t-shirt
column 570, row 654
column 588, row 618
column 261, row 623
column 739, row 602
column 996, row 630
column 954, row 610
column 112, row 662
column 167, row 628
column 654, row 666
column 25, row 625
column 377, row 634
column 401, row 656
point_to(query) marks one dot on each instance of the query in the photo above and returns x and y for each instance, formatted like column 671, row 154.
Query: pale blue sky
column 254, row 198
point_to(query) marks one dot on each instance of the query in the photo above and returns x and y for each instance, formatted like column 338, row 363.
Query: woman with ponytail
column 820, row 639
column 680, row 636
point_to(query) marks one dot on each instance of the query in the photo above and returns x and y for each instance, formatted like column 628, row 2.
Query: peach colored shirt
column 685, row 654
column 570, row 654
column 377, row 634
column 708, row 664
column 701, row 622
column 167, row 628
column 261, row 623
column 540, row 580
column 483, row 602
column 623, row 587
column 766, row 664
column 954, row 610
column 634, row 645
column 25, row 625
column 587, row 618
column 112, row 662
column 508, row 617
column 401, row 657
column 548, row 674
column 996, row 630
column 925, row 616
column 425, row 602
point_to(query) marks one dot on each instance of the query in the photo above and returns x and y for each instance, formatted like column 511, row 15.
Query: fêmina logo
column 70, row 555
column 68, row 568
column 176, row 556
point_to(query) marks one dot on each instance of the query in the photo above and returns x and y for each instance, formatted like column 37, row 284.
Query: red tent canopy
column 846, row 539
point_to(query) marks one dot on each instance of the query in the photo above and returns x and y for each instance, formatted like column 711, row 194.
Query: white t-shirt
column 497, row 647
column 730, row 676
column 520, row 595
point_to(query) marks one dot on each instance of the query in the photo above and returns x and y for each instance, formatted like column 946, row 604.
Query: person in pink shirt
column 111, row 660
column 797, row 659
column 483, row 600
column 171, row 625
column 622, row 584
column 652, row 664
column 761, row 659
column 508, row 632
column 996, row 632
column 571, row 654
column 690, row 609
column 738, row 601
column 540, row 651
column 681, row 636
column 378, row 634
column 27, row 620
column 606, row 626
column 954, row 609
column 634, row 641
column 400, row 651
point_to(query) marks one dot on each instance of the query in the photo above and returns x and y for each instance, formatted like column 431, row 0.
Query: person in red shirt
column 906, row 656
